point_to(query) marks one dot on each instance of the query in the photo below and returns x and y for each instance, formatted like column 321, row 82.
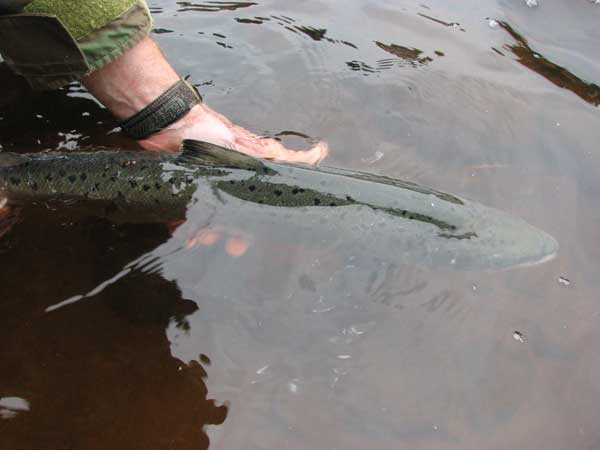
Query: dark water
column 300, row 344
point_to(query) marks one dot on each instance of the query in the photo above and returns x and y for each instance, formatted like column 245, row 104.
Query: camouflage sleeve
column 53, row 42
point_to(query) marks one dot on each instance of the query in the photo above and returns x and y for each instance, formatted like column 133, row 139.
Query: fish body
column 417, row 224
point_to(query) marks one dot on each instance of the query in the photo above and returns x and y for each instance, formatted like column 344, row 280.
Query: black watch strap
column 169, row 107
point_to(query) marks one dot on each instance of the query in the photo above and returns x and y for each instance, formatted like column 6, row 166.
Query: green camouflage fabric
column 81, row 17
column 99, row 31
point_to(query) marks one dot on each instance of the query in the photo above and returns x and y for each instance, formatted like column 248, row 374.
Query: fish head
column 523, row 245
column 500, row 241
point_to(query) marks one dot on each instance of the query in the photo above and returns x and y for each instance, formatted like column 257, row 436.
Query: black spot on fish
column 62, row 173
column 172, row 180
column 231, row 182
column 83, row 177
column 113, row 179
column 48, row 177
column 15, row 181
column 34, row 186
column 350, row 199
column 251, row 188
column 146, row 188
column 157, row 186
column 72, row 178
column 132, row 183
column 278, row 193
column 260, row 202
column 332, row 204
column 317, row 201
column 295, row 191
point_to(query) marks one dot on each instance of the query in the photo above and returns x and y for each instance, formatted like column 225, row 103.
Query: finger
column 236, row 246
column 271, row 149
column 312, row 156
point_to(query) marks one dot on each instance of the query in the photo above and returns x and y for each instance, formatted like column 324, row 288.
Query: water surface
column 301, row 344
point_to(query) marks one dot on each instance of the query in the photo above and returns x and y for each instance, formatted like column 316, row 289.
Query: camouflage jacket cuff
column 55, row 42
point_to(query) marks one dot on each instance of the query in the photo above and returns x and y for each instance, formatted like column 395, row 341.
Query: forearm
column 128, row 84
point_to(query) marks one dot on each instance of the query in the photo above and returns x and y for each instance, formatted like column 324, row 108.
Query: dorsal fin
column 215, row 155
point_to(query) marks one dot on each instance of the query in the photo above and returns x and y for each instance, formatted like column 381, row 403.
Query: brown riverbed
column 305, row 345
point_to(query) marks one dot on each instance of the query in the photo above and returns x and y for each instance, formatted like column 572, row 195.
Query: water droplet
column 373, row 159
column 356, row 331
column 262, row 370
column 11, row 406
column 344, row 356
column 532, row 3
column 518, row 336
column 564, row 281
column 323, row 310
column 493, row 23
column 293, row 387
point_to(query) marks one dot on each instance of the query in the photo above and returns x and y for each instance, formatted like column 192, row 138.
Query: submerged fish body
column 417, row 224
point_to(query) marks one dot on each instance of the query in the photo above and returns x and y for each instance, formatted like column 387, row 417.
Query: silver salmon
column 417, row 224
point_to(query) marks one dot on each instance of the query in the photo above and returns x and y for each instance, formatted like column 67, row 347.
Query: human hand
column 204, row 124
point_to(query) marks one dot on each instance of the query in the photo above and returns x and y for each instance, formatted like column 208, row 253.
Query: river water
column 300, row 344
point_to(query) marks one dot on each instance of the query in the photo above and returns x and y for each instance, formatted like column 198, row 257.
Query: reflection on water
column 103, row 370
column 405, row 57
column 408, row 56
column 554, row 73
column 316, row 34
column 33, row 124
column 441, row 22
column 302, row 344
column 214, row 6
